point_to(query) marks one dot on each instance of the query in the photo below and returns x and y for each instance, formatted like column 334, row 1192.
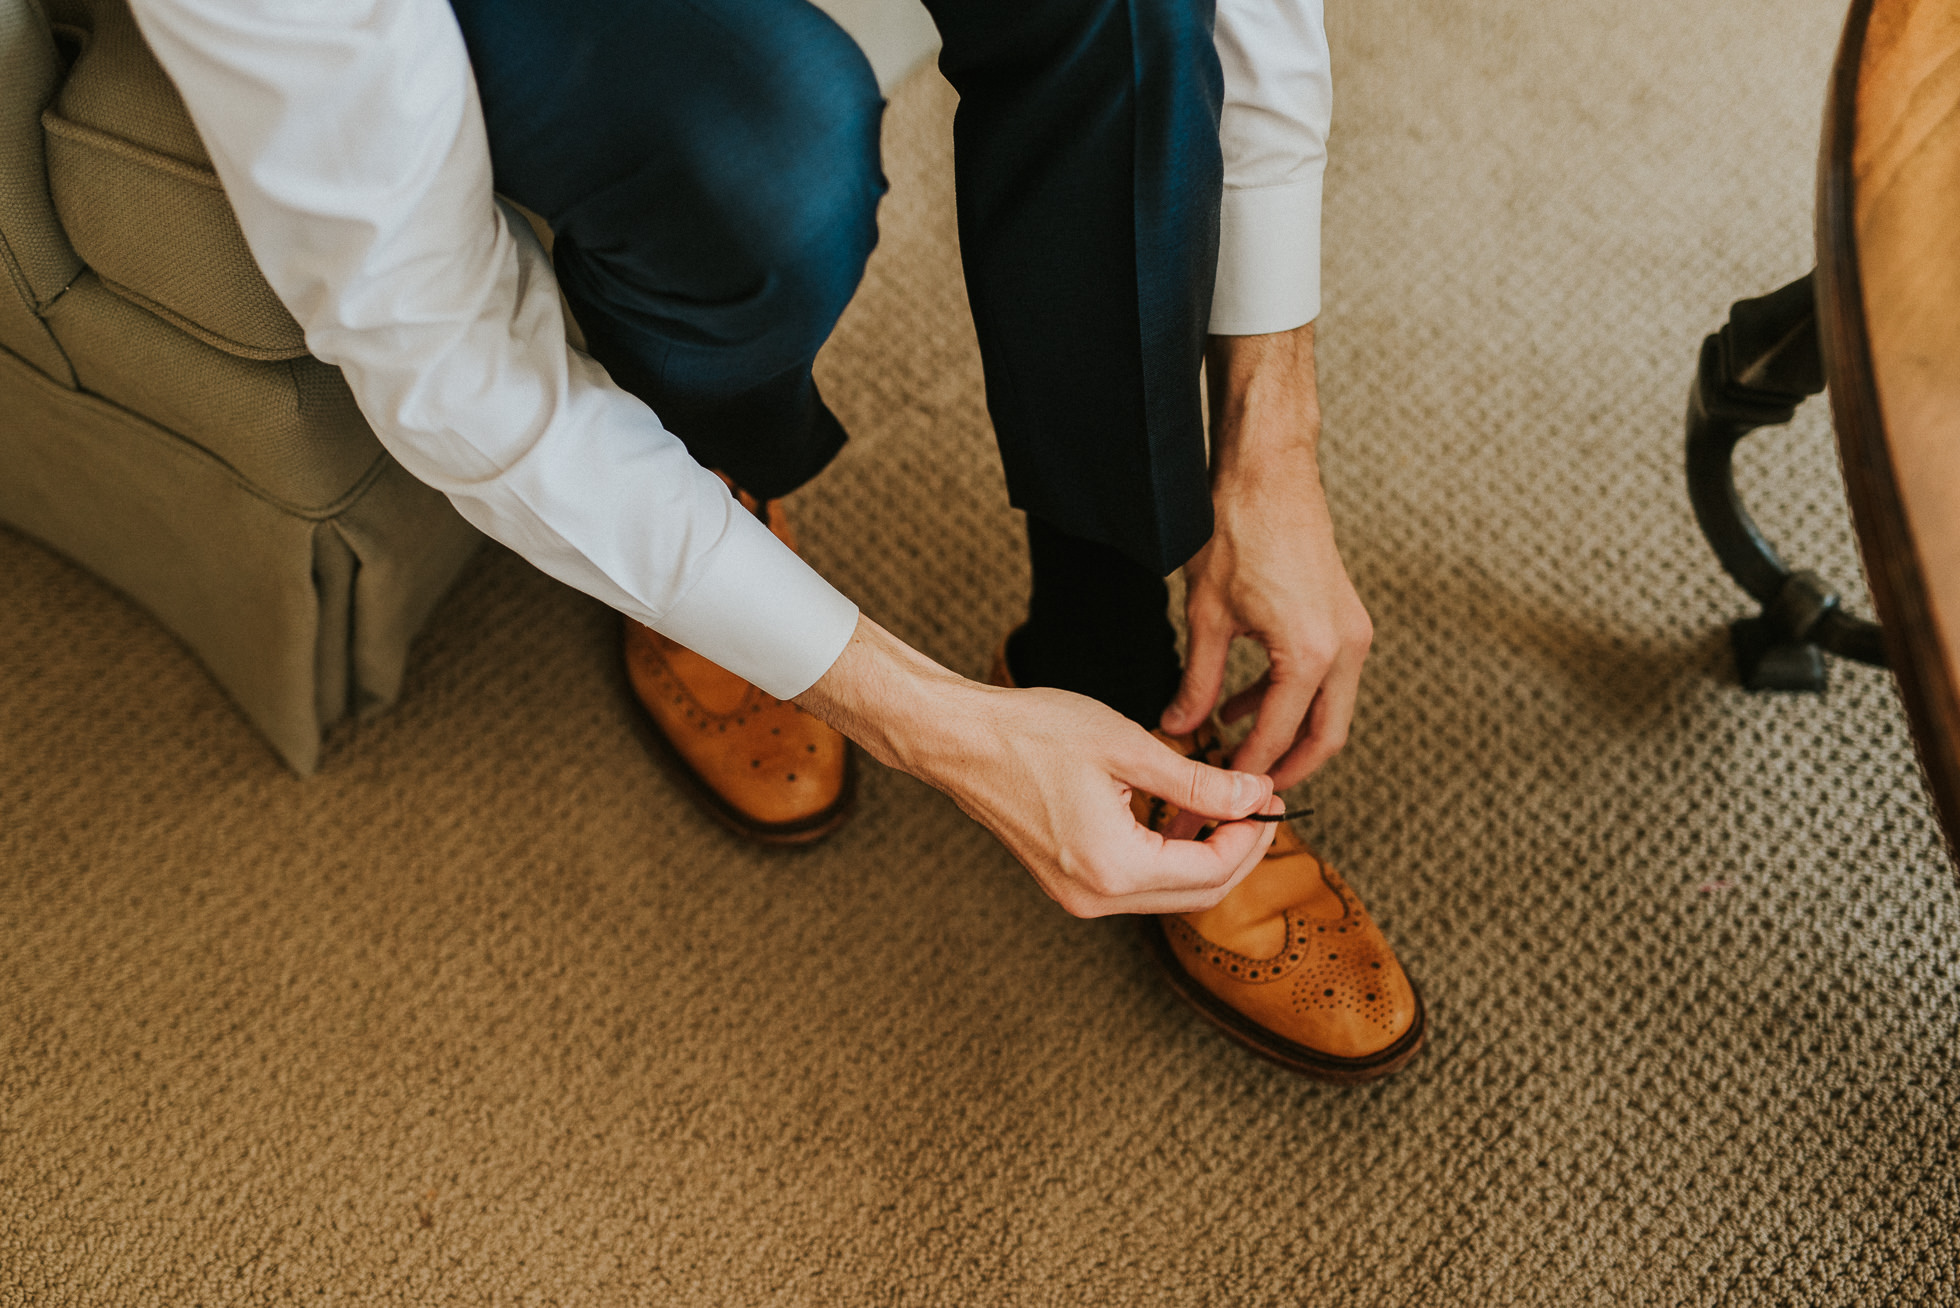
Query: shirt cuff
column 1268, row 259
column 761, row 612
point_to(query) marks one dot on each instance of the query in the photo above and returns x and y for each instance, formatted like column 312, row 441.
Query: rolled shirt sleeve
column 350, row 142
column 1279, row 101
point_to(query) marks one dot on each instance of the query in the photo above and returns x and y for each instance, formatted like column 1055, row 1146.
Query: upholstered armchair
column 161, row 422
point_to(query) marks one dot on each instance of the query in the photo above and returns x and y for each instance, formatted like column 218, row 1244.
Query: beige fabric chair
column 160, row 420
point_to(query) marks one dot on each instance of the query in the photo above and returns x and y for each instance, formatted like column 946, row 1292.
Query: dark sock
column 1097, row 625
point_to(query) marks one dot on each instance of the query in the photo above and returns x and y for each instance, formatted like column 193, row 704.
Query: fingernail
column 1244, row 788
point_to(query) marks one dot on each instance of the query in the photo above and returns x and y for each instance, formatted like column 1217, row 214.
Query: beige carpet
column 486, row 1014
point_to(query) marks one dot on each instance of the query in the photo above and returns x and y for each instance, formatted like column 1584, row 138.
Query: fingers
column 1179, row 876
column 1282, row 714
column 1204, row 672
column 1247, row 700
column 1327, row 725
column 1195, row 787
column 1211, row 864
column 1064, row 810
column 1319, row 735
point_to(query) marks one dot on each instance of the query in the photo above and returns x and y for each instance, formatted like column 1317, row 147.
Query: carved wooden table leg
column 1754, row 373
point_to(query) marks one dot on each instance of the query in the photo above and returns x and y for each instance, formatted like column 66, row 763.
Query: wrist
column 906, row 710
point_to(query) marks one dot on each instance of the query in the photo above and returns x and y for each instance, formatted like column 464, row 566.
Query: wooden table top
column 1888, row 236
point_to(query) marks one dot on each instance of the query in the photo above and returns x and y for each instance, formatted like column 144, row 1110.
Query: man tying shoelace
column 1139, row 199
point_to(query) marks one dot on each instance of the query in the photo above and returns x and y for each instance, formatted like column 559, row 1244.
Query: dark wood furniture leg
column 1755, row 371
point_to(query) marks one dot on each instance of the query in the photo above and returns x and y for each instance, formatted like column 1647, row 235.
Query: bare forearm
column 1265, row 398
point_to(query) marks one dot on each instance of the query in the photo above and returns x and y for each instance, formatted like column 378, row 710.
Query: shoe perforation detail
column 1330, row 964
column 697, row 714
column 1297, row 952
column 1356, row 981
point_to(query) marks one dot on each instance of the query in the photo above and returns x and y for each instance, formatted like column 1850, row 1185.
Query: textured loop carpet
column 487, row 1014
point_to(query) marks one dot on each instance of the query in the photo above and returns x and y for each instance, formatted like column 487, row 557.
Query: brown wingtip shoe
column 1289, row 964
column 759, row 765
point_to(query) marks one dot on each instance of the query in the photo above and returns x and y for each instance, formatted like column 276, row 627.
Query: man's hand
column 1270, row 570
column 1050, row 774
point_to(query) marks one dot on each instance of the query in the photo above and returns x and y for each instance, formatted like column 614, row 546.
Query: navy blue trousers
column 710, row 171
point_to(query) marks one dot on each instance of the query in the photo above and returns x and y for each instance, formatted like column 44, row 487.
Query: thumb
column 1196, row 787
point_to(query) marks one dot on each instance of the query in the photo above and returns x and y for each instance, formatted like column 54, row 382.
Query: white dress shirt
column 349, row 139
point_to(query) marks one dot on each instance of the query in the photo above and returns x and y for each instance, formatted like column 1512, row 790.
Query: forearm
column 1265, row 399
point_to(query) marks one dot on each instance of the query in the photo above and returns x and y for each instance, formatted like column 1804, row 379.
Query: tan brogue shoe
column 1289, row 964
column 760, row 765
column 1292, row 967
